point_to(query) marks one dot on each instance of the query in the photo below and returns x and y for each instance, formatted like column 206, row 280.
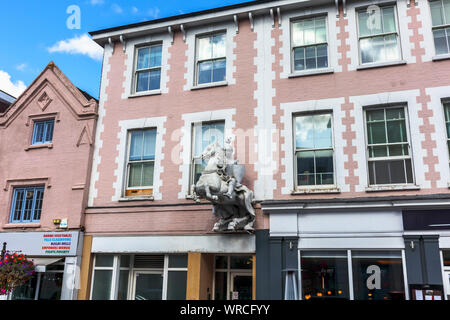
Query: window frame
column 397, row 32
column 387, row 158
column 446, row 107
column 198, row 61
column 25, row 189
column 192, row 160
column 442, row 26
column 294, row 129
column 46, row 123
column 128, row 162
column 136, row 71
column 297, row 19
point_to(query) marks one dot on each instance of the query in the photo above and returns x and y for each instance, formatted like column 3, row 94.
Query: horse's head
column 211, row 151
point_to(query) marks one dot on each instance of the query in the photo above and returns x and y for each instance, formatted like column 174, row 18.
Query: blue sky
column 35, row 32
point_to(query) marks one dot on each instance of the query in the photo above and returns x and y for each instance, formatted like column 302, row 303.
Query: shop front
column 57, row 259
column 333, row 254
column 209, row 267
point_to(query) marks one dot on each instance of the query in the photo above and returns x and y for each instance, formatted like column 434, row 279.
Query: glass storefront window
column 377, row 275
column 220, row 290
column 103, row 260
column 176, row 285
column 324, row 274
column 101, row 289
column 240, row 262
column 221, row 262
column 123, row 285
column 124, row 261
column 26, row 291
column 178, row 261
column 233, row 278
column 51, row 286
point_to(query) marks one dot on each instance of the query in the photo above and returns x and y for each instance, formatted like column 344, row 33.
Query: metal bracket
column 272, row 17
column 344, row 7
column 250, row 17
column 122, row 40
column 337, row 7
column 279, row 16
column 169, row 29
column 236, row 23
column 111, row 43
column 183, row 32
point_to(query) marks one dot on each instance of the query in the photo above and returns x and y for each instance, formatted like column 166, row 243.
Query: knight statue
column 220, row 183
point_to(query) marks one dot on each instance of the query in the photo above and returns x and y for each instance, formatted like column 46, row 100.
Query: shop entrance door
column 241, row 286
column 147, row 285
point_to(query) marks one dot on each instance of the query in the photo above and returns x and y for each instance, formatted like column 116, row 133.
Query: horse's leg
column 209, row 196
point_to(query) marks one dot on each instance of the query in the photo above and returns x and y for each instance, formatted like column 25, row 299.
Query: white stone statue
column 220, row 183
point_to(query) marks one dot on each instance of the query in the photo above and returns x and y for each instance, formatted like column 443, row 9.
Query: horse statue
column 220, row 183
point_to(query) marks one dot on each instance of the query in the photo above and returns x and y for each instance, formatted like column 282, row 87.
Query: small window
column 141, row 162
column 388, row 146
column 378, row 36
column 447, row 122
column 440, row 16
column 314, row 155
column 203, row 135
column 27, row 204
column 43, row 132
column 148, row 68
column 309, row 44
column 211, row 58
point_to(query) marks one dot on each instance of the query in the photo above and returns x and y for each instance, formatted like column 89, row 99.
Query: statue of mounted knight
column 220, row 183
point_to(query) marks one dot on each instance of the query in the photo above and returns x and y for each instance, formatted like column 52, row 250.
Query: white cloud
column 116, row 8
column 134, row 10
column 153, row 13
column 96, row 2
column 21, row 67
column 13, row 88
column 79, row 45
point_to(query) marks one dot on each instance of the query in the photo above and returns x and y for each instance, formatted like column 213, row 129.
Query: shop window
column 314, row 155
column 204, row 134
column 377, row 275
column 324, row 275
column 440, row 17
column 233, row 278
column 309, row 44
column 43, row 132
column 139, row 277
column 148, row 68
column 211, row 58
column 379, row 41
column 141, row 162
column 388, row 146
column 27, row 205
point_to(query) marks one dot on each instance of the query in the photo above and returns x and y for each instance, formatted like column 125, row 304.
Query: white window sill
column 39, row 146
column 441, row 57
column 21, row 225
column 145, row 93
column 381, row 64
column 141, row 198
column 393, row 187
column 313, row 190
column 310, row 72
column 210, row 85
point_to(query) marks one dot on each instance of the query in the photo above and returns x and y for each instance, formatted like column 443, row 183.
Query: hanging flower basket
column 15, row 271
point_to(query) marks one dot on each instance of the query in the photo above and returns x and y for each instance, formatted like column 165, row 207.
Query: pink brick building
column 46, row 146
column 338, row 109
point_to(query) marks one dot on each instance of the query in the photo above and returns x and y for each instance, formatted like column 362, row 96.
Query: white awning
column 44, row 261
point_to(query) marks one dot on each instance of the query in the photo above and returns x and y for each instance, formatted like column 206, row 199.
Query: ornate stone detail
column 220, row 183
column 44, row 101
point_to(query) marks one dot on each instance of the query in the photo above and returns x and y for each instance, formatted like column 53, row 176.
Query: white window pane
column 322, row 56
column 135, row 174
column 147, row 174
column 310, row 37
column 311, row 54
column 149, row 144
column 143, row 81
column 299, row 59
column 305, row 168
column 304, row 132
column 388, row 20
column 322, row 131
column 391, row 48
column 447, row 11
column 204, row 48
column 143, row 58
column 440, row 41
column 321, row 34
column 155, row 56
column 297, row 34
column 364, row 30
column 101, row 289
column 219, row 46
column 219, row 70
column 137, row 139
column 436, row 13
column 367, row 53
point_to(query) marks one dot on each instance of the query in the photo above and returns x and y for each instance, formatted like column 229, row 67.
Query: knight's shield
column 236, row 170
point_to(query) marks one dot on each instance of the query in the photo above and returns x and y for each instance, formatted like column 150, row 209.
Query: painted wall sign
column 42, row 243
